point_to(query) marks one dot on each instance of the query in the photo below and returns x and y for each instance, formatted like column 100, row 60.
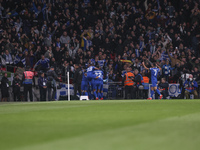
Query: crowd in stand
column 111, row 33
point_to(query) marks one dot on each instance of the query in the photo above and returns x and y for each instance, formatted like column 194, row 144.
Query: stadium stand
column 110, row 33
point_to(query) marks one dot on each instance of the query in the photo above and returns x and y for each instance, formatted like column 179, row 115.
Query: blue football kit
column 98, row 83
column 154, row 73
column 90, row 73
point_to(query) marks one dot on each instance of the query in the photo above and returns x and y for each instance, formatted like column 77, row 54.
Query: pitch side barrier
column 63, row 91
column 174, row 90
column 115, row 90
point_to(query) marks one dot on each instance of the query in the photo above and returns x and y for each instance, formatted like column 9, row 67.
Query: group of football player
column 92, row 82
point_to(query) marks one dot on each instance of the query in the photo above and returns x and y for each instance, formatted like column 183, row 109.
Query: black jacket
column 78, row 76
column 51, row 74
column 164, row 86
column 138, row 79
column 42, row 81
column 4, row 83
column 16, row 85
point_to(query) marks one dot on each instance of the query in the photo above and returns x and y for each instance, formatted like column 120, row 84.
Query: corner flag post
column 68, row 89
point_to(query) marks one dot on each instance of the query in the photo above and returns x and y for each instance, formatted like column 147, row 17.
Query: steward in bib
column 128, row 82
column 27, row 80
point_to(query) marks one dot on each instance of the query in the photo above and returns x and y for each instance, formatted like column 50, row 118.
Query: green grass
column 101, row 125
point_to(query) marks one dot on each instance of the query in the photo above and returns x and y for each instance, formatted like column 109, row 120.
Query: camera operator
column 190, row 87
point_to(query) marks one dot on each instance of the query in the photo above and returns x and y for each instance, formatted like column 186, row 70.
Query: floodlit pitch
column 101, row 125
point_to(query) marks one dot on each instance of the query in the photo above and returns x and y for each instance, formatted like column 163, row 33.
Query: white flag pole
column 68, row 89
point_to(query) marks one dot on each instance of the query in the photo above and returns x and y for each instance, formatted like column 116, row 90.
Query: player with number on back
column 154, row 73
column 90, row 73
column 98, row 84
column 90, row 77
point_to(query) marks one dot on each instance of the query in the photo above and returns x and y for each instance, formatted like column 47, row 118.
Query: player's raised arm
column 145, row 65
column 159, row 67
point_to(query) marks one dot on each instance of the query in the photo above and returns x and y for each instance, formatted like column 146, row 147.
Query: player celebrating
column 90, row 77
column 154, row 73
column 90, row 73
column 98, row 84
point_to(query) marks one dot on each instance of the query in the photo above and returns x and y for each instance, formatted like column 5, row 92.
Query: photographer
column 191, row 87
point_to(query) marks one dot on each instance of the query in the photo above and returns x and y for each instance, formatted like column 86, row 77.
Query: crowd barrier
column 115, row 90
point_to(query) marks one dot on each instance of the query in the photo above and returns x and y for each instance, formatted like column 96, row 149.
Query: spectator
column 111, row 76
column 174, row 60
column 49, row 54
column 170, row 10
column 65, row 39
column 9, row 61
column 58, row 55
column 42, row 64
column 73, row 50
column 20, row 60
column 166, row 70
column 48, row 40
column 32, row 59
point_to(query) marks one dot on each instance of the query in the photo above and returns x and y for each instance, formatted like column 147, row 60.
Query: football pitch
column 101, row 125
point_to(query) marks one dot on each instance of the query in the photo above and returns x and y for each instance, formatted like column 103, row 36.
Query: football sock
column 152, row 92
column 90, row 95
column 95, row 94
column 86, row 93
column 99, row 95
column 158, row 91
